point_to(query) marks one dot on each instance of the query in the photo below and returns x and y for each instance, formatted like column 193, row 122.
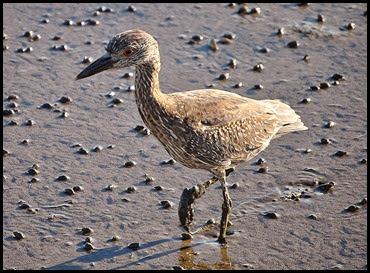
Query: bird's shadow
column 116, row 251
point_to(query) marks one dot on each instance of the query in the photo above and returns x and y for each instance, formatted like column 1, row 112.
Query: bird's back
column 210, row 128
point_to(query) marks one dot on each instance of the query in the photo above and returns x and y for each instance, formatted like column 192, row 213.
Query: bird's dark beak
column 103, row 63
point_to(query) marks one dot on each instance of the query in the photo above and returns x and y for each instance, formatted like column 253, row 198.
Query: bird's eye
column 128, row 52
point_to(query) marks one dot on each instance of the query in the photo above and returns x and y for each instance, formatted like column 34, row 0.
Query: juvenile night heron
column 205, row 129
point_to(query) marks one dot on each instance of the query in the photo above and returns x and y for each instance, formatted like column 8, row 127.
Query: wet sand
column 53, row 239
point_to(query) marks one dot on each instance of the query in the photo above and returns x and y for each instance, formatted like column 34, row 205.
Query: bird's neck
column 149, row 98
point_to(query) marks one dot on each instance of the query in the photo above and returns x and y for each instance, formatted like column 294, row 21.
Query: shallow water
column 336, row 238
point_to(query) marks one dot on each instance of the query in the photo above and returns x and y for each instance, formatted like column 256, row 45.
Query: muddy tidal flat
column 86, row 186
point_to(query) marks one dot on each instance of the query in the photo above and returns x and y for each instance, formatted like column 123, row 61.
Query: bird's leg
column 186, row 208
column 226, row 208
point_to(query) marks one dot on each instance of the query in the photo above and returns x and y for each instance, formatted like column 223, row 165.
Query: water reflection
column 187, row 258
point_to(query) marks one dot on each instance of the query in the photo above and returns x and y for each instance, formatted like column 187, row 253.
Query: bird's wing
column 228, row 116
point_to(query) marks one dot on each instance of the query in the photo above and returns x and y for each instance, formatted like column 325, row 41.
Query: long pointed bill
column 103, row 63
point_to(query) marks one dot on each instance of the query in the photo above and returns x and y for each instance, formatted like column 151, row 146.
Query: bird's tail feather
column 290, row 121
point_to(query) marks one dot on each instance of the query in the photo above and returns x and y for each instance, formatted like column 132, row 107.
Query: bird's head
column 132, row 47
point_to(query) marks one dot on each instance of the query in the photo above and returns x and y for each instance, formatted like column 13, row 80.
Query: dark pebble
column 21, row 50
column 86, row 231
column 258, row 86
column 324, row 188
column 110, row 187
column 351, row 26
column 265, row 50
column 130, row 163
column 281, row 31
column 131, row 189
column 28, row 49
column 46, row 106
column 89, row 246
column 158, row 188
column 78, row 188
column 68, row 22
column 261, row 161
column 89, row 239
column 63, row 47
column 18, row 235
column 97, row 148
column 238, row 85
column 139, row 128
column 271, row 215
column 111, row 146
column 197, row 38
column 8, row 112
column 306, row 58
column 65, row 100
column 353, row 208
column 28, row 34
column 320, row 18
column 35, row 37
column 329, row 124
column 186, row 236
column 324, row 85
column 34, row 180
column 223, row 76
column 232, row 63
column 56, row 38
column 306, row 100
column 128, row 75
column 81, row 23
column 131, row 8
column 149, row 179
column 338, row 77
column 25, row 206
column 134, row 246
column 69, row 191
column 312, row 216
column 83, row 151
column 63, row 178
column 234, row 186
column 363, row 201
column 86, row 60
column 243, row 10
column 340, row 153
column 45, row 21
column 12, row 97
column 262, row 170
column 126, row 200
column 307, row 151
column 117, row 101
column 64, row 114
column 255, row 11
column 363, row 161
column 116, row 238
column 229, row 35
column 32, row 171
column 258, row 67
column 131, row 88
column 168, row 162
column 92, row 22
column 324, row 141
column 35, row 166
column 166, row 204
column 315, row 88
column 293, row 44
